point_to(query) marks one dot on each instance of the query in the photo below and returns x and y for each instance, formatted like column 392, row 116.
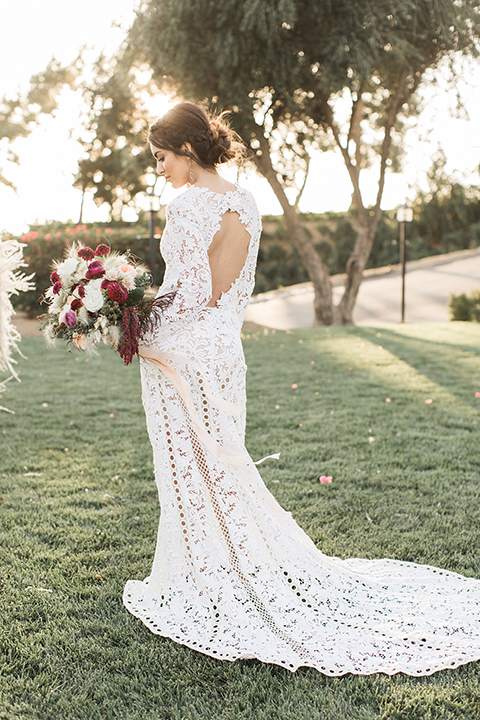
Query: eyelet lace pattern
column 233, row 575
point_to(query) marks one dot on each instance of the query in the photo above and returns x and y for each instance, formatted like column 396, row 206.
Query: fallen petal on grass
column 477, row 394
column 325, row 479
column 388, row 400
column 429, row 401
column 294, row 386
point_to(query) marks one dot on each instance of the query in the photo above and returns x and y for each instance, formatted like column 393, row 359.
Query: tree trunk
column 366, row 229
column 316, row 268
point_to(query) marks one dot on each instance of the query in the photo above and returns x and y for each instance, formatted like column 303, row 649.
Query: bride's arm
column 190, row 263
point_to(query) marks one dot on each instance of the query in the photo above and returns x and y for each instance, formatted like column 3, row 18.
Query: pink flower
column 48, row 236
column 54, row 277
column 108, row 229
column 325, row 479
column 70, row 318
column 86, row 253
column 102, row 250
column 26, row 237
column 34, row 235
column 57, row 287
column 95, row 269
column 117, row 292
column 294, row 386
column 81, row 291
column 477, row 394
column 57, row 234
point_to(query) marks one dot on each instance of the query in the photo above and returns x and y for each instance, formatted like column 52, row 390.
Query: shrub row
column 279, row 264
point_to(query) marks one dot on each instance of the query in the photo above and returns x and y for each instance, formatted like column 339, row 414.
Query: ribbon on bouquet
column 221, row 452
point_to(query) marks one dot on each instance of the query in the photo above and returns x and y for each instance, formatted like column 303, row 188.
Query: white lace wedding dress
column 233, row 575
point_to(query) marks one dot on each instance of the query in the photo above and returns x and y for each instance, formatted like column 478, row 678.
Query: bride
column 233, row 575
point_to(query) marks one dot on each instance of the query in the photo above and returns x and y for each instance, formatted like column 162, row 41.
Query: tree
column 115, row 157
column 287, row 68
column 19, row 115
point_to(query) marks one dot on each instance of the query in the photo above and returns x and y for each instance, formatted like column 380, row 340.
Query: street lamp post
column 404, row 215
column 153, row 209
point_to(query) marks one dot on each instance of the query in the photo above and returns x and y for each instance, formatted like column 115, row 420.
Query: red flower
column 81, row 291
column 117, row 292
column 76, row 304
column 105, row 283
column 102, row 250
column 57, row 287
column 95, row 269
column 86, row 253
column 54, row 277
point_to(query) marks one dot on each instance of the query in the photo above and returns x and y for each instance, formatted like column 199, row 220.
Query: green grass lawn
column 79, row 516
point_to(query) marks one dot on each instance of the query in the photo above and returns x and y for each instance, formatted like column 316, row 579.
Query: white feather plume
column 12, row 282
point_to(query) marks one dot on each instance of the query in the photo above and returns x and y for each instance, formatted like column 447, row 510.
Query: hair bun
column 220, row 142
column 212, row 140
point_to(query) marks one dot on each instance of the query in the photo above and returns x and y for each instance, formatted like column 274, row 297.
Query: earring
column 191, row 174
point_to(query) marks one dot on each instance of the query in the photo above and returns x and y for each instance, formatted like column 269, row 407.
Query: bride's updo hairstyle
column 212, row 140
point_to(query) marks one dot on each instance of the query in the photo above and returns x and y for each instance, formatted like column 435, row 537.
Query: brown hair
column 212, row 140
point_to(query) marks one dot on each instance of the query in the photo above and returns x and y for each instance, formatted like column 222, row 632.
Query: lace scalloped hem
column 234, row 643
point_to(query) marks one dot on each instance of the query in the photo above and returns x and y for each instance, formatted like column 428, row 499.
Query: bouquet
column 98, row 296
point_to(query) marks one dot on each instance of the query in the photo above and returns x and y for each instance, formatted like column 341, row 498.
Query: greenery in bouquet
column 96, row 296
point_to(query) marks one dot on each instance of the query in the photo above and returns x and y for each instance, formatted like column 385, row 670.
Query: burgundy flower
column 95, row 270
column 76, row 304
column 117, row 292
column 57, row 286
column 86, row 253
column 105, row 284
column 54, row 277
column 70, row 318
column 102, row 250
column 81, row 291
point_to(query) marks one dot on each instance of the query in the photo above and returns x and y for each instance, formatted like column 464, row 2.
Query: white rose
column 67, row 267
column 93, row 299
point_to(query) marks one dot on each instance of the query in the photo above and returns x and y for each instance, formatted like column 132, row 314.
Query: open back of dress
column 233, row 575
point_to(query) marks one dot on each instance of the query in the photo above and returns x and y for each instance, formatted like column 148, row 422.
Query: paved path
column 429, row 283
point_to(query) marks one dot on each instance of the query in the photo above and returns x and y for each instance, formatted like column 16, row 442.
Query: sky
column 31, row 32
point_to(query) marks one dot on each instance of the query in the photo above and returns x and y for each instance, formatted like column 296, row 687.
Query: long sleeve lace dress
column 233, row 575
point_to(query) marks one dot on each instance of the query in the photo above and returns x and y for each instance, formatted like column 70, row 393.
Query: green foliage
column 465, row 307
column 18, row 115
column 447, row 216
column 116, row 156
column 80, row 515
